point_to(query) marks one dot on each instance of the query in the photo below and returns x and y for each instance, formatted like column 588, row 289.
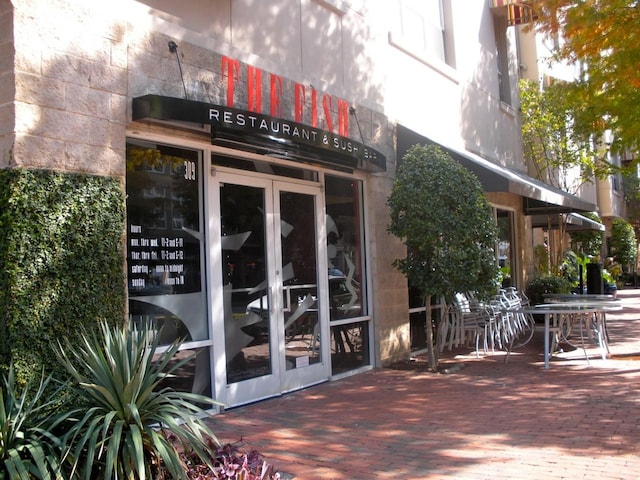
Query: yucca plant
column 131, row 427
column 28, row 447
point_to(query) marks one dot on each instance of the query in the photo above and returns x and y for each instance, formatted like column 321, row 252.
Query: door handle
column 272, row 293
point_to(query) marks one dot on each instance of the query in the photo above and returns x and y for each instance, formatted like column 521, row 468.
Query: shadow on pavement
column 485, row 419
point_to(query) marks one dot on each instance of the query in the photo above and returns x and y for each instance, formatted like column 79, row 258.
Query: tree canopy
column 603, row 38
column 440, row 211
column 550, row 143
column 623, row 244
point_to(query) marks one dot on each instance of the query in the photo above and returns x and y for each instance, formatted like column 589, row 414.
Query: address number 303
column 189, row 170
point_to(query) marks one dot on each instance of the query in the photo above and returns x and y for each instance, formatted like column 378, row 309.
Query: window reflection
column 345, row 247
column 349, row 347
column 184, row 378
column 165, row 252
column 345, row 255
column 168, row 326
column 505, row 242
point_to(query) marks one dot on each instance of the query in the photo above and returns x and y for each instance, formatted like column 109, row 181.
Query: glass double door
column 270, row 289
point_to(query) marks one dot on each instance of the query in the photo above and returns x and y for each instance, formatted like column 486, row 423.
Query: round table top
column 572, row 297
column 572, row 307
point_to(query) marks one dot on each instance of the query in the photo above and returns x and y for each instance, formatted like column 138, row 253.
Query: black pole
column 581, row 286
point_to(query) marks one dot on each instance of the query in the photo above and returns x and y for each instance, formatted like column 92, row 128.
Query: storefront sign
column 334, row 112
column 270, row 133
column 319, row 131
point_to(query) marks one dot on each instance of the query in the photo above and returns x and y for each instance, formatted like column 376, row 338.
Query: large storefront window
column 506, row 240
column 165, row 247
column 345, row 252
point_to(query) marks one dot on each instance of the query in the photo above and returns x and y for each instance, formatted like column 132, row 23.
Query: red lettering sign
column 230, row 68
column 276, row 95
column 314, row 108
column 231, row 71
column 327, row 105
column 254, row 89
column 299, row 99
column 343, row 118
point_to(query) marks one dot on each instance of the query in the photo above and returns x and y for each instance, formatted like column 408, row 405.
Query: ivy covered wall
column 61, row 262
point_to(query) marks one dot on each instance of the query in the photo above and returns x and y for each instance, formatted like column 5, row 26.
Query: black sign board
column 268, row 134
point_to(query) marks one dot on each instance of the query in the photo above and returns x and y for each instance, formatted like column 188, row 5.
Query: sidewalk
column 489, row 420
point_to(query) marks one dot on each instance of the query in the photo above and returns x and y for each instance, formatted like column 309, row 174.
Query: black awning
column 572, row 222
column 538, row 197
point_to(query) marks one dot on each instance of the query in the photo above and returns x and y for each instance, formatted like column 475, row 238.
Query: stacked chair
column 496, row 323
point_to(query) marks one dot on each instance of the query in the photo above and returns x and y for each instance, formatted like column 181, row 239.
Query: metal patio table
column 583, row 307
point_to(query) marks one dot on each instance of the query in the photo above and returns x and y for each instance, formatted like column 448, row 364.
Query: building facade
column 257, row 142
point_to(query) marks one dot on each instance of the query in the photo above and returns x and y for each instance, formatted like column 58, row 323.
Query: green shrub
column 62, row 262
column 540, row 286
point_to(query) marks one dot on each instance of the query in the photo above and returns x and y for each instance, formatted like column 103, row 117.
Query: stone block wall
column 389, row 292
column 70, row 88
column 7, row 84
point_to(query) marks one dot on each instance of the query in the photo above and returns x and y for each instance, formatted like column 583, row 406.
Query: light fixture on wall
column 173, row 48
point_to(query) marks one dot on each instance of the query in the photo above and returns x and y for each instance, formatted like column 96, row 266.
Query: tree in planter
column 439, row 210
column 623, row 244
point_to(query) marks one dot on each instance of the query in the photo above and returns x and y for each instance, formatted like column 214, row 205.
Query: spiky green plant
column 28, row 447
column 123, row 430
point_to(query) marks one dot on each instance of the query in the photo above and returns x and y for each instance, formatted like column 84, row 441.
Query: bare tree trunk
column 431, row 350
column 557, row 244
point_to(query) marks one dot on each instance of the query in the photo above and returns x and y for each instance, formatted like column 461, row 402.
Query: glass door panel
column 301, row 330
column 301, row 252
column 505, row 247
column 270, row 289
column 245, row 283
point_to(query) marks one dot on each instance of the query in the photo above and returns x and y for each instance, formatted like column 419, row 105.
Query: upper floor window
column 502, row 51
column 423, row 27
column 616, row 178
column 422, row 24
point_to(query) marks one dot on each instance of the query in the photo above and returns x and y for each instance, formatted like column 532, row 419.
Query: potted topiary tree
column 623, row 244
column 439, row 210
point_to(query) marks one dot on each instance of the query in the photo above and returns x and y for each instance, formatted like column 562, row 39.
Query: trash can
column 594, row 279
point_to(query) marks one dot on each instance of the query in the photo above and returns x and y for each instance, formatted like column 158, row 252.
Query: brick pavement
column 489, row 420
